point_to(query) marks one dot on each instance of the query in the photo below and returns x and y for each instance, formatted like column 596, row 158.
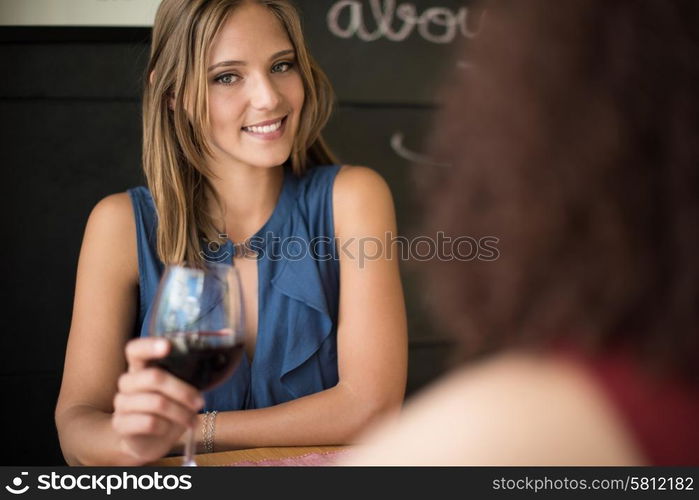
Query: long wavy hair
column 573, row 139
column 176, row 143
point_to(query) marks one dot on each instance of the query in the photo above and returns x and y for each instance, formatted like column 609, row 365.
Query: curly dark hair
column 574, row 139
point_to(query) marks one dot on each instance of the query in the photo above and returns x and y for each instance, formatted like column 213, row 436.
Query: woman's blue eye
column 288, row 65
column 227, row 79
column 230, row 78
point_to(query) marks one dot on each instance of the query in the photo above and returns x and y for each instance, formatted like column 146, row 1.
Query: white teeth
column 266, row 129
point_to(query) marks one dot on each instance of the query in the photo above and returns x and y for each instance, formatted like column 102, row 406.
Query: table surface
column 249, row 455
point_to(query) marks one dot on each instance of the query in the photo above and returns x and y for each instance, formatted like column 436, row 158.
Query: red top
column 662, row 414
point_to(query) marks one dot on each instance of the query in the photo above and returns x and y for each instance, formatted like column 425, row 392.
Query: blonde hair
column 175, row 144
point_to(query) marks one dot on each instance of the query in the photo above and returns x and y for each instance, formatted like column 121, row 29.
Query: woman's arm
column 104, row 311
column 372, row 334
column 513, row 409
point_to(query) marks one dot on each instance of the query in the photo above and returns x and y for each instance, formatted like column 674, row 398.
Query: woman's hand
column 152, row 408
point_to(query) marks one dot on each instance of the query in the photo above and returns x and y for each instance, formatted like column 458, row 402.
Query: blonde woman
column 232, row 114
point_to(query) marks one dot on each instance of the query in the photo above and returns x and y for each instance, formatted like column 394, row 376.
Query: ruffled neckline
column 262, row 237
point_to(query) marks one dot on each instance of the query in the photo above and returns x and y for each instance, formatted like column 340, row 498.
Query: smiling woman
column 270, row 81
column 233, row 111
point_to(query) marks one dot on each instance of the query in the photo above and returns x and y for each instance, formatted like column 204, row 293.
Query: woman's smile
column 268, row 132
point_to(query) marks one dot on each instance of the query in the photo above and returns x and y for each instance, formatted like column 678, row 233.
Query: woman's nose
column 264, row 94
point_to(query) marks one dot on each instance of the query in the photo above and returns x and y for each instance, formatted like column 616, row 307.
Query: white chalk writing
column 403, row 152
column 436, row 24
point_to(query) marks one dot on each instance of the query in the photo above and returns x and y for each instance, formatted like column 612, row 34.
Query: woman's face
column 253, row 83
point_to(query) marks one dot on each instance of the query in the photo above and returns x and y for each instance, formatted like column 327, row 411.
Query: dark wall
column 70, row 122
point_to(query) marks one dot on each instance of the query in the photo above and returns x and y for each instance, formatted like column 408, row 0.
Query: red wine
column 202, row 359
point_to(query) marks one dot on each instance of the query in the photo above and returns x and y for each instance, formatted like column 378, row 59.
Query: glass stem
column 188, row 459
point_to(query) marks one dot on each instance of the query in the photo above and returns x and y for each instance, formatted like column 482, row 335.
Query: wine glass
column 199, row 309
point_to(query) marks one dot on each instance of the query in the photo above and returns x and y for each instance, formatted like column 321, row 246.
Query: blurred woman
column 574, row 141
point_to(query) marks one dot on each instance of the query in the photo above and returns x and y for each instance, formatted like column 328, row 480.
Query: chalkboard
column 387, row 51
column 70, row 119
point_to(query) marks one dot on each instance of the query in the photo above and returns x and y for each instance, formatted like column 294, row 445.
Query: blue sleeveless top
column 298, row 293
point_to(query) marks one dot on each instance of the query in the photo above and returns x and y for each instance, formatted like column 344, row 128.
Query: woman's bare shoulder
column 511, row 410
column 110, row 235
column 114, row 208
column 362, row 202
column 358, row 180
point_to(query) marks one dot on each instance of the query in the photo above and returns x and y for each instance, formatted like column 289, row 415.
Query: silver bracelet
column 208, row 430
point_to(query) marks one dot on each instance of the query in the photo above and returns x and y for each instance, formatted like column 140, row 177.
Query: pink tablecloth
column 308, row 460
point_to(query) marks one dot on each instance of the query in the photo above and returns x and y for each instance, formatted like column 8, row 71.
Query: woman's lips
column 269, row 136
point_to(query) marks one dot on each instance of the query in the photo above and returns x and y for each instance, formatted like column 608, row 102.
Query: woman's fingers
column 154, row 404
column 143, row 378
column 140, row 351
column 159, row 381
column 152, row 407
